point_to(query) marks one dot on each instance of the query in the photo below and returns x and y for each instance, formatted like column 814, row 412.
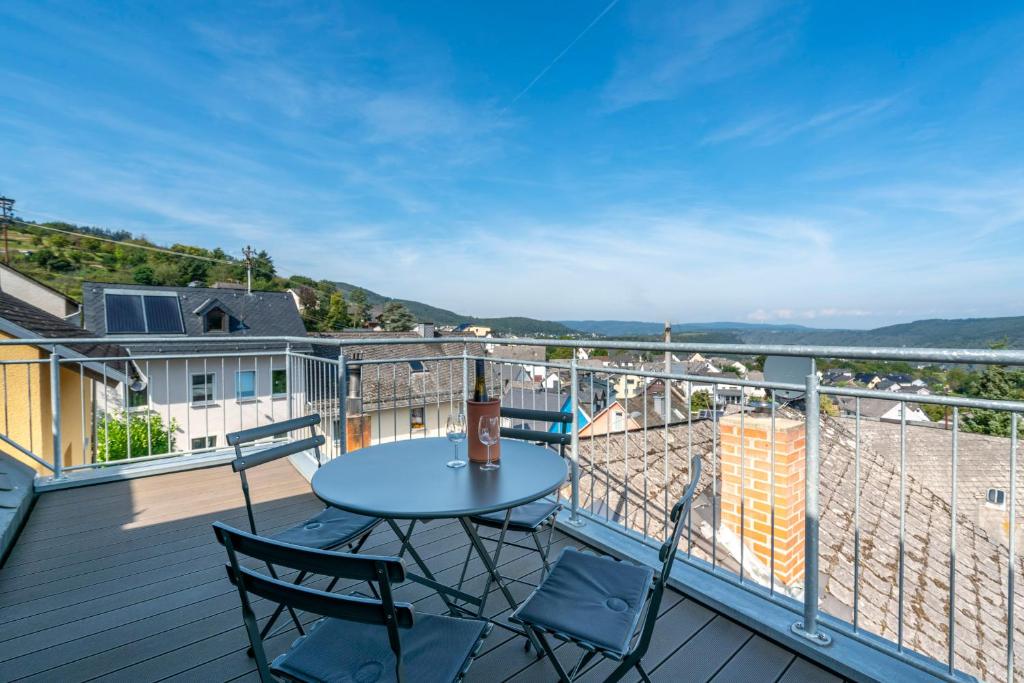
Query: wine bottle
column 480, row 388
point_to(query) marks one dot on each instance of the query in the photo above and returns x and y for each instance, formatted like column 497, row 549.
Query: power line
column 562, row 53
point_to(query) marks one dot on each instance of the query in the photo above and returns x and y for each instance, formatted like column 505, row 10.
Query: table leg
column 428, row 575
column 493, row 575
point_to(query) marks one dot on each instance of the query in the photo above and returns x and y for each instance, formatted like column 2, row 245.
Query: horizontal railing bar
column 31, row 361
column 403, row 359
column 937, row 355
column 172, row 356
column 962, row 402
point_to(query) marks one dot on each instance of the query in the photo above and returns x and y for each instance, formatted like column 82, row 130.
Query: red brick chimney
column 752, row 484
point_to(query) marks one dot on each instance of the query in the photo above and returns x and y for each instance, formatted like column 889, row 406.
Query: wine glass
column 489, row 432
column 456, row 432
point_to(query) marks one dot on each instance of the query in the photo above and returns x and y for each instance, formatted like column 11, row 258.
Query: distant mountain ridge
column 441, row 316
column 936, row 332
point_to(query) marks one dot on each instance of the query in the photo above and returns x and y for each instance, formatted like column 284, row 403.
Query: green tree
column 700, row 400
column 191, row 270
column 145, row 431
column 360, row 308
column 397, row 318
column 144, row 275
column 828, row 407
column 996, row 382
column 337, row 312
column 599, row 353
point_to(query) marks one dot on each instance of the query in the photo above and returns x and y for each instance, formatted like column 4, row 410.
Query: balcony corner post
column 55, row 415
column 288, row 378
column 808, row 627
column 574, row 445
column 342, row 383
column 465, row 379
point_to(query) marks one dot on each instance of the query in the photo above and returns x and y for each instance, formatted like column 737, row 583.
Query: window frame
column 284, row 375
column 210, row 383
column 130, row 402
column 209, row 441
column 255, row 385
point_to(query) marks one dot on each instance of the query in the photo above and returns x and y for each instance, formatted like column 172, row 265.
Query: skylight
column 151, row 313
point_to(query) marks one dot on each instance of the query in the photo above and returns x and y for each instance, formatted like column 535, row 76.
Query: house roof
column 38, row 322
column 609, row 464
column 396, row 384
column 259, row 314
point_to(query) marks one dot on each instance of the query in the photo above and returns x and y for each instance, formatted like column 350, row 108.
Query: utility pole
column 6, row 214
column 248, row 253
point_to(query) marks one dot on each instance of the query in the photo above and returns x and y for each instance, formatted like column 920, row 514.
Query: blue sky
column 830, row 164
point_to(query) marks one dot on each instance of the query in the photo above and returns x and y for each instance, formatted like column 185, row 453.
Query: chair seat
column 524, row 517
column 436, row 648
column 332, row 527
column 593, row 600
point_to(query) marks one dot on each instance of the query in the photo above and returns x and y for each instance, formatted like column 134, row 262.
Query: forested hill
column 63, row 261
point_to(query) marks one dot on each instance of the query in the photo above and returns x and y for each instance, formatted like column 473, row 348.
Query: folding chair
column 327, row 530
column 598, row 603
column 358, row 638
column 531, row 518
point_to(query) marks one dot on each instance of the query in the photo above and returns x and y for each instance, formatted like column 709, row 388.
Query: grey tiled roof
column 607, row 468
column 260, row 314
column 390, row 385
column 43, row 324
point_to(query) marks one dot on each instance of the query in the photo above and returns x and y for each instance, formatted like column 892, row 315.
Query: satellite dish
column 787, row 370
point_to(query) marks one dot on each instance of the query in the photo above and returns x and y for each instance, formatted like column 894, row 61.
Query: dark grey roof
column 260, row 314
column 40, row 323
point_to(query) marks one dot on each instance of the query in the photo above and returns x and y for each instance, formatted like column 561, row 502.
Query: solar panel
column 124, row 314
column 163, row 316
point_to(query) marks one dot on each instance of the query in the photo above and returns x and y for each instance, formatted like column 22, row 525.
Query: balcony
column 116, row 574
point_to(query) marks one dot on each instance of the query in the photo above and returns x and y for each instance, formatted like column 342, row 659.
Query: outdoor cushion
column 524, row 517
column 332, row 527
column 590, row 599
column 436, row 648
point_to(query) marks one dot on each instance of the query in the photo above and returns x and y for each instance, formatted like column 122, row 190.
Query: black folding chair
column 531, row 518
column 358, row 638
column 329, row 529
column 598, row 603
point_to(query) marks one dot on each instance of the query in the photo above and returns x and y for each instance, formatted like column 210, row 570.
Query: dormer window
column 996, row 498
column 215, row 320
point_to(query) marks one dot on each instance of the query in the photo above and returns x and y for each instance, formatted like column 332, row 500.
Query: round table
column 409, row 480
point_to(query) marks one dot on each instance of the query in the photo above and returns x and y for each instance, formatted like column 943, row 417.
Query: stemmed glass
column 489, row 432
column 456, row 431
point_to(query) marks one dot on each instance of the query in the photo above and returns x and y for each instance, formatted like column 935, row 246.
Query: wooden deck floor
column 124, row 582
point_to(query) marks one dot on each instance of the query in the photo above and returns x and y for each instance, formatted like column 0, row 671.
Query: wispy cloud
column 774, row 128
column 679, row 45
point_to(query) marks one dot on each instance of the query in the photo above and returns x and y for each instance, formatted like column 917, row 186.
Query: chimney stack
column 357, row 422
column 748, row 491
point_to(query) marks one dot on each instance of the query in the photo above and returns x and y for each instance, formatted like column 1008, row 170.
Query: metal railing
column 626, row 469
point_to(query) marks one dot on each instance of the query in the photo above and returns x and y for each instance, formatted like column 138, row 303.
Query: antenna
column 248, row 254
column 6, row 214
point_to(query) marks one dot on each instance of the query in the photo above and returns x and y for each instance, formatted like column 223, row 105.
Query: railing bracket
column 819, row 638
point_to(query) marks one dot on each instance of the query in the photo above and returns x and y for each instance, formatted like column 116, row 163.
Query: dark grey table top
column 409, row 480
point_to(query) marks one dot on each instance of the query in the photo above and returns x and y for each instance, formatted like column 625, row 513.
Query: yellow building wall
column 25, row 415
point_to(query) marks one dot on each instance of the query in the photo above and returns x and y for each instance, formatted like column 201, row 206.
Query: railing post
column 808, row 627
column 465, row 379
column 342, row 398
column 288, row 378
column 58, row 461
column 574, row 445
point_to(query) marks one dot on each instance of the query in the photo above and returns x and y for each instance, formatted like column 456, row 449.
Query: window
column 138, row 399
column 216, row 321
column 417, row 366
column 133, row 313
column 279, row 382
column 245, row 384
column 996, row 498
column 202, row 388
column 202, row 442
column 417, row 418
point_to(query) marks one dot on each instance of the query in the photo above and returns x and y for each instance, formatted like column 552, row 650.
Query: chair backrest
column 382, row 571
column 254, row 458
column 561, row 438
column 667, row 554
